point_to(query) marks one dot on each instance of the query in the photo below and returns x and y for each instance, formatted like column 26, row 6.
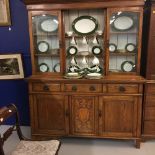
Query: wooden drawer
column 45, row 87
column 86, row 88
column 150, row 113
column 150, row 89
column 122, row 88
column 149, row 127
column 150, row 100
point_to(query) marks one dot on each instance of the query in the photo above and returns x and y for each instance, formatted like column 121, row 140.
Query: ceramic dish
column 49, row 25
column 96, row 50
column 73, row 76
column 42, row 46
column 112, row 47
column 72, row 50
column 73, row 68
column 123, row 23
column 130, row 47
column 96, row 69
column 43, row 67
column 56, row 68
column 94, row 76
column 127, row 66
column 85, row 25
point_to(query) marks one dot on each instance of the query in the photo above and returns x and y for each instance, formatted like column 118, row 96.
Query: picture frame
column 11, row 66
column 5, row 13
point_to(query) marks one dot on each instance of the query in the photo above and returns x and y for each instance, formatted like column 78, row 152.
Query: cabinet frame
column 126, row 9
column 97, row 95
column 61, row 53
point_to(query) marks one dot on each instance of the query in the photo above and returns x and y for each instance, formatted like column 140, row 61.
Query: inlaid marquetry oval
column 83, row 115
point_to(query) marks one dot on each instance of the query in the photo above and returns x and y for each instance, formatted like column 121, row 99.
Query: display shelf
column 122, row 53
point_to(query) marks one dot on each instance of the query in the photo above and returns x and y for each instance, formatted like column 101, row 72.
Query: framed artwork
column 11, row 66
column 4, row 13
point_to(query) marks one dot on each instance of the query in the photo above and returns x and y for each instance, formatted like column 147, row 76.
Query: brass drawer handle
column 46, row 88
column 122, row 89
column 74, row 88
column 92, row 88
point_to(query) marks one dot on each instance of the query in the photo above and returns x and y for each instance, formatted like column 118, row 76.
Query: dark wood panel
column 150, row 113
column 149, row 127
column 150, row 44
column 150, row 88
column 150, row 100
column 86, row 4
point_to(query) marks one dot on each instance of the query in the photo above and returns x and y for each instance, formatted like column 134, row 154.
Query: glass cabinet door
column 46, row 42
column 124, row 46
column 84, row 40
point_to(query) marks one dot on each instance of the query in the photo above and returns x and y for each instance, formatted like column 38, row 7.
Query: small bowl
column 69, row 33
column 99, row 32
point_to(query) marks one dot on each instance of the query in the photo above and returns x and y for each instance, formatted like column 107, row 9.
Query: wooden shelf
column 124, row 33
column 45, row 34
column 122, row 54
column 89, row 36
column 48, row 55
column 51, row 53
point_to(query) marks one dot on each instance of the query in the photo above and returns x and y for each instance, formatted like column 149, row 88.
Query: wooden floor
column 82, row 146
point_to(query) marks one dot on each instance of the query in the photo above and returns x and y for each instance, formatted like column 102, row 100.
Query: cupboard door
column 83, row 115
column 124, row 37
column 118, row 116
column 46, row 42
column 49, row 114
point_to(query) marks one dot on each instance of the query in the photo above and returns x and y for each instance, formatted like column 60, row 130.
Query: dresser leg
column 143, row 140
column 138, row 141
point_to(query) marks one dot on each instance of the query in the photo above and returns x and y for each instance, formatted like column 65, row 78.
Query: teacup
column 99, row 32
column 69, row 33
column 84, row 40
column 95, row 40
column 73, row 42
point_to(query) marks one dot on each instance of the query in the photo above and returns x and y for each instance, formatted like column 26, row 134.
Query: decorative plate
column 43, row 67
column 128, row 66
column 42, row 46
column 72, row 50
column 56, row 67
column 97, row 50
column 112, row 47
column 49, row 25
column 130, row 47
column 85, row 25
column 123, row 23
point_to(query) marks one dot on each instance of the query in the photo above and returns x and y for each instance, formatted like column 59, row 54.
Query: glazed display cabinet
column 86, row 69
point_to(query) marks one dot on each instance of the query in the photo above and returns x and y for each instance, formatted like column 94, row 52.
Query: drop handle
column 46, row 88
column 122, row 89
column 74, row 88
column 92, row 88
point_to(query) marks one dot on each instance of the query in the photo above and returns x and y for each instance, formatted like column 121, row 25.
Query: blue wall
column 16, row 40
